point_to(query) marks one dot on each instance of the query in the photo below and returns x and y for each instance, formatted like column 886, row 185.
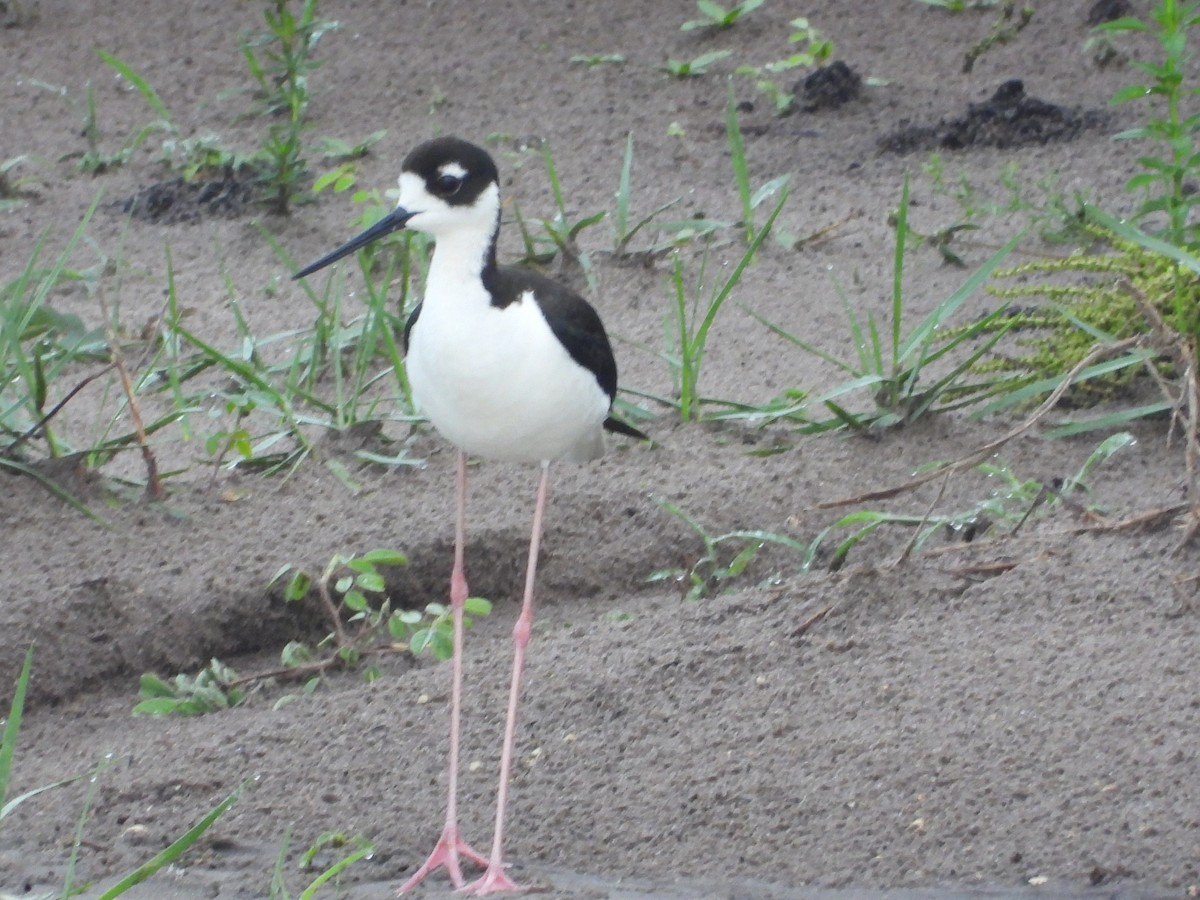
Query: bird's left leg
column 495, row 879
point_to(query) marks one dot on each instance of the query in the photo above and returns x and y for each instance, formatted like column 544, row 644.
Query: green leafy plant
column 352, row 593
column 371, row 626
column 214, row 688
column 280, row 60
column 892, row 366
column 694, row 68
column 814, row 50
column 1174, row 131
column 281, row 57
column 338, row 151
column 718, row 17
column 1011, row 502
column 714, row 569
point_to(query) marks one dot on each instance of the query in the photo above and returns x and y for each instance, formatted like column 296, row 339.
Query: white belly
column 499, row 385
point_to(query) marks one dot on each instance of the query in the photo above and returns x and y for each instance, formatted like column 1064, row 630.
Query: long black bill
column 393, row 221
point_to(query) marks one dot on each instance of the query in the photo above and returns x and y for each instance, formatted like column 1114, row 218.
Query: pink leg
column 495, row 880
column 450, row 845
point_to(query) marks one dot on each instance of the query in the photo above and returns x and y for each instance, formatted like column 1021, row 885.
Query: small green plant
column 1009, row 23
column 597, row 59
column 892, row 366
column 814, row 50
column 326, row 841
column 213, row 688
column 40, row 347
column 1011, row 502
column 751, row 200
column 96, row 161
column 1174, row 130
column 561, row 230
column 338, row 151
column 692, row 322
column 15, row 189
column 717, row 17
column 694, row 68
column 206, row 157
column 371, row 625
column 623, row 231
column 714, row 570
column 352, row 593
column 280, row 60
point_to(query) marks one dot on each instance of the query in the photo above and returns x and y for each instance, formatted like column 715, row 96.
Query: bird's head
column 447, row 185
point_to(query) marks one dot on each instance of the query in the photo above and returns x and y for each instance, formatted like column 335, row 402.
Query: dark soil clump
column 1009, row 118
column 829, row 87
column 1108, row 11
column 177, row 201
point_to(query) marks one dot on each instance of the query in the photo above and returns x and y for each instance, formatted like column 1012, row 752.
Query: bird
column 506, row 364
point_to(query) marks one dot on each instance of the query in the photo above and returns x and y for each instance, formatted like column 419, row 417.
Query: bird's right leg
column 451, row 848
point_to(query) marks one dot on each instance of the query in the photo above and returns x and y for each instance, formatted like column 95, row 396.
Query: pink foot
column 494, row 881
column 450, row 847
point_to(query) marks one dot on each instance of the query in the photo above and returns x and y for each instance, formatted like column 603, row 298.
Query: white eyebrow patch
column 452, row 169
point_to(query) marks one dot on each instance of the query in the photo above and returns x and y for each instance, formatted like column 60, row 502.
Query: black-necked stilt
column 507, row 365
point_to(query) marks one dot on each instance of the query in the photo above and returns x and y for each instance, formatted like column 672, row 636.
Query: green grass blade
column 177, row 848
column 623, row 187
column 143, row 87
column 1116, row 419
column 279, row 889
column 924, row 331
column 89, row 801
column 1131, row 232
column 898, row 275
column 735, row 276
column 1046, row 385
column 802, row 344
column 53, row 487
column 16, row 801
column 335, row 870
column 737, row 153
column 12, row 726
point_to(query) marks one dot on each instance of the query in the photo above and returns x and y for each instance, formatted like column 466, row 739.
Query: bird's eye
column 447, row 185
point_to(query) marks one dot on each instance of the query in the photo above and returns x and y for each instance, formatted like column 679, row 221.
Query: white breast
column 496, row 382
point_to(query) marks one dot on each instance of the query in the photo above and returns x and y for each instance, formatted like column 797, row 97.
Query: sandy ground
column 977, row 719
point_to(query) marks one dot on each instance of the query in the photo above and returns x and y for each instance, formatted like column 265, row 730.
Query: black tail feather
column 619, row 427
